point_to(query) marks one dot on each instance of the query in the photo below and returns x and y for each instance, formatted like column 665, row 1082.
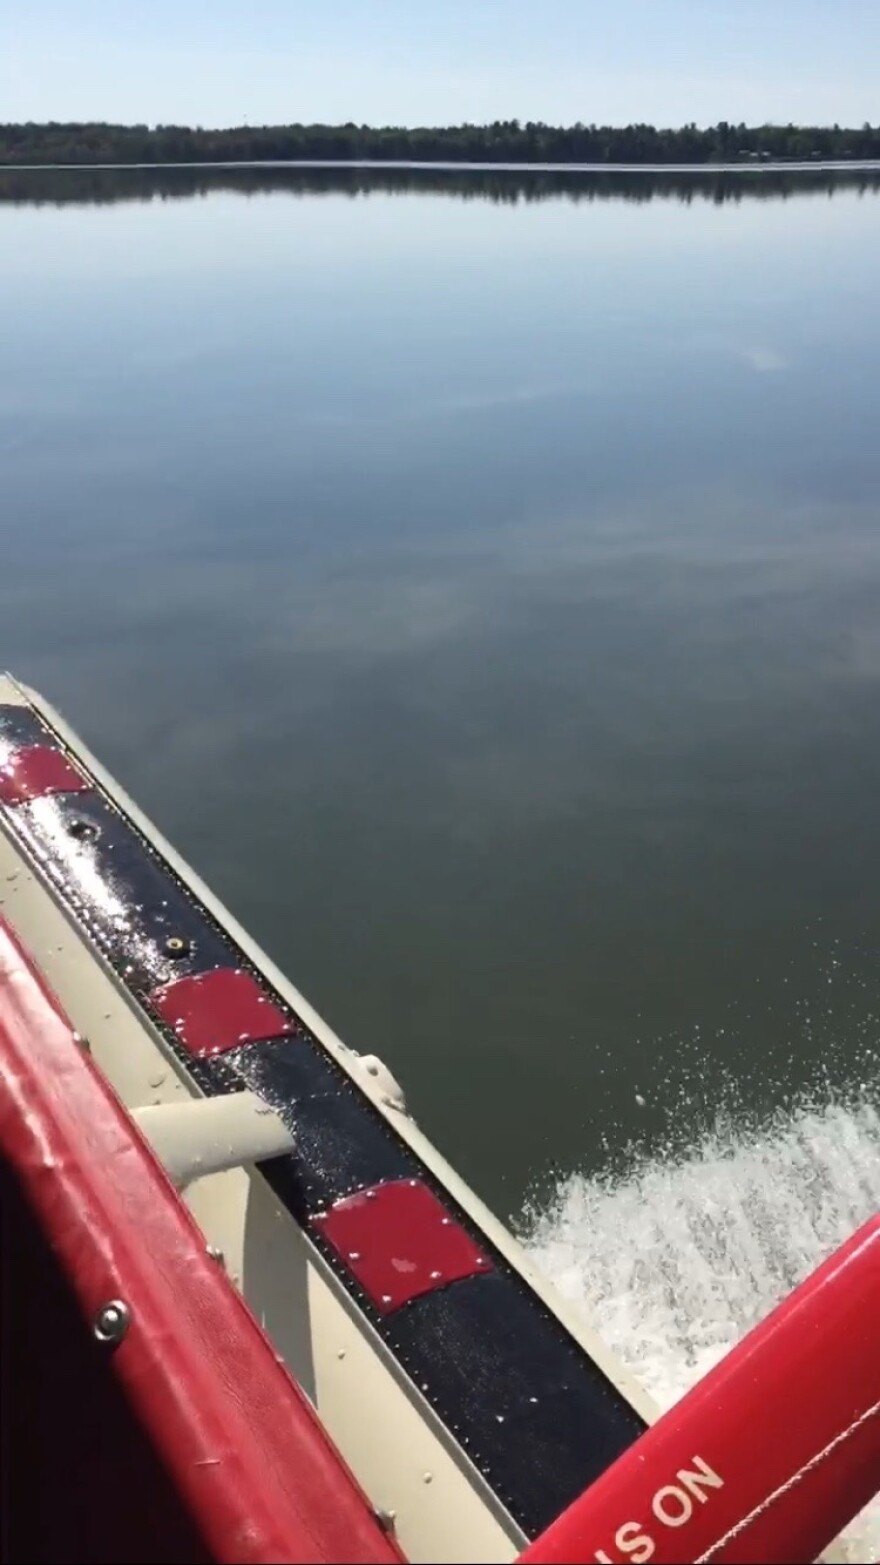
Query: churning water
column 715, row 1238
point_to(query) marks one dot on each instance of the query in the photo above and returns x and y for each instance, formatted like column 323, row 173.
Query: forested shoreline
column 504, row 141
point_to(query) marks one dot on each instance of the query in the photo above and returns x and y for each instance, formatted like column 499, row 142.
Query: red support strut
column 769, row 1457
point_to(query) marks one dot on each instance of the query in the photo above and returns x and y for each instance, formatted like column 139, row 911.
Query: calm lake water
column 477, row 576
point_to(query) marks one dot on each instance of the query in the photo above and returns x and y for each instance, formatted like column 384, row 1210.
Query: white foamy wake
column 675, row 1259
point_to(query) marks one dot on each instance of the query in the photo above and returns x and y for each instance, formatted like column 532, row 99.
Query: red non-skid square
column 218, row 1011
column 37, row 770
column 399, row 1242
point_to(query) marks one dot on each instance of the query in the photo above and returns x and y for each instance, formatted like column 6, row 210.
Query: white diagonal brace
column 210, row 1135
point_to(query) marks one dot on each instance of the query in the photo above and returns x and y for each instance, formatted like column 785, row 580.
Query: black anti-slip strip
column 20, row 725
column 534, row 1414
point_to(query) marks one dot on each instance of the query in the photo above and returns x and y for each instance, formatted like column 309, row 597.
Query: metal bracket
column 379, row 1078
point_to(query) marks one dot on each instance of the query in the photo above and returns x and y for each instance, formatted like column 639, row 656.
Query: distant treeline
column 504, row 141
column 502, row 186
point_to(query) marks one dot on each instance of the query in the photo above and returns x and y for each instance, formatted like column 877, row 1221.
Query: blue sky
column 216, row 62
